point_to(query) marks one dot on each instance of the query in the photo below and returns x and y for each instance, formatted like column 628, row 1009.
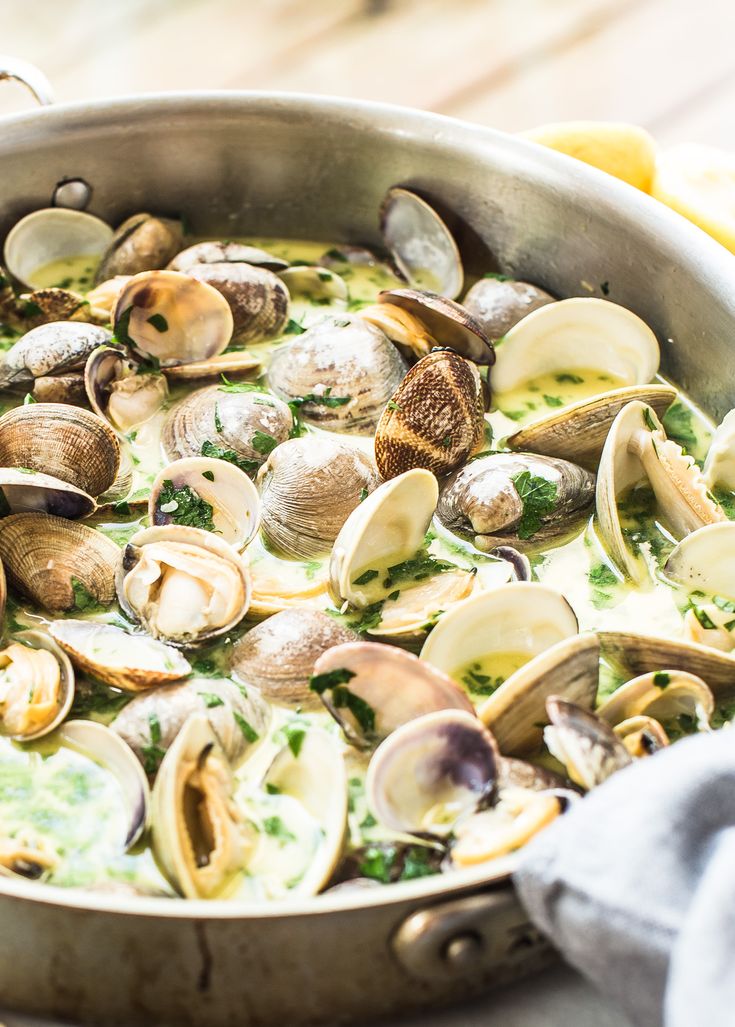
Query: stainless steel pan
column 313, row 167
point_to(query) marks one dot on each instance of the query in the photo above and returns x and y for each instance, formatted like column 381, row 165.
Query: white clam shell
column 705, row 560
column 40, row 640
column 51, row 234
column 719, row 466
column 663, row 695
column 420, row 242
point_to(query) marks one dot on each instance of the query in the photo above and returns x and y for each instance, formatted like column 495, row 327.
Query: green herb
column 446, row 442
column 293, row 328
column 211, row 700
column 538, row 496
column 364, row 578
column 295, row 734
column 605, row 288
column 185, row 506
column 218, row 426
column 416, row 863
column 319, row 683
column 726, row 500
column 648, row 418
column 678, row 422
column 367, row 822
column 392, row 405
column 31, row 309
column 276, row 828
column 209, row 475
column 703, row 617
column 515, row 415
column 28, row 399
column 368, row 618
column 394, row 595
column 312, row 568
column 661, row 678
column 159, row 322
column 497, row 276
column 263, row 443
column 122, row 326
column 154, row 726
column 553, row 401
column 228, row 386
column 377, row 863
column 418, row 568
column 272, row 789
column 84, row 601
column 323, row 399
column 364, row 714
column 481, row 684
column 601, row 574
column 230, row 456
column 152, row 756
column 248, row 731
column 571, row 379
column 363, row 494
column 724, row 604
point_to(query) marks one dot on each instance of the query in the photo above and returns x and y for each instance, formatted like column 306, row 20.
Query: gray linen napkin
column 636, row 885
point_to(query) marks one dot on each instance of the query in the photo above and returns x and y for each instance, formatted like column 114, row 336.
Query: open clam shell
column 133, row 662
column 446, row 321
column 641, row 735
column 421, row 245
column 141, row 243
column 434, row 419
column 577, row 334
column 406, row 617
column 50, row 349
column 25, row 491
column 404, row 330
column 52, row 234
column 643, row 654
column 36, row 686
column 510, row 824
column 583, row 743
column 432, row 771
column 498, row 303
column 58, row 564
column 278, row 656
column 69, row 443
column 719, row 465
column 172, row 318
column 385, row 529
column 237, row 362
column 200, row 837
column 316, row 285
column 704, row 561
column 578, row 432
column 149, row 723
column 372, row 689
column 118, row 393
column 209, row 492
column 315, row 776
column 309, row 487
column 663, row 695
column 105, row 747
column 183, row 584
column 636, row 449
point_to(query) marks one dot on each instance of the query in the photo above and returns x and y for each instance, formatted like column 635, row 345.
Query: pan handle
column 30, row 76
column 484, row 935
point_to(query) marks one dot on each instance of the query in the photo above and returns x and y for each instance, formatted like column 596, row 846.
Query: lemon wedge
column 699, row 182
column 625, row 151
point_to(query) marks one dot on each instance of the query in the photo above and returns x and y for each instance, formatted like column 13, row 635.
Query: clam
column 583, row 743
column 279, row 585
column 643, row 654
column 432, row 771
column 309, row 487
column 200, row 837
column 133, row 662
column 663, row 695
column 314, row 776
column 36, row 686
column 117, row 391
column 225, row 253
column 172, row 318
column 235, row 362
column 499, row 303
column 103, row 298
column 105, row 747
column 514, row 773
column 404, row 330
column 514, row 497
column 420, row 243
column 704, row 561
column 278, row 656
column 206, row 493
column 50, row 350
column 26, row 853
column 44, row 306
column 380, row 863
column 446, row 321
column 257, row 298
column 641, row 735
column 342, row 373
column 317, row 285
column 411, row 610
column 386, row 529
column 27, row 491
column 52, row 234
column 141, row 243
column 69, row 443
column 719, row 465
column 711, row 624
column 637, row 450
column 240, row 426
column 434, row 419
column 372, row 689
column 578, row 431
column 183, row 584
column 348, row 254
column 577, row 335
column 58, row 564
column 515, row 818
column 61, row 388
column 149, row 724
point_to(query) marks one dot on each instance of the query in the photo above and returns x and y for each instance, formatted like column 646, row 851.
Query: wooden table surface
column 512, row 64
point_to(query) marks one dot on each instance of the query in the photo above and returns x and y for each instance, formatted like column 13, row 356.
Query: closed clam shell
column 66, row 442
column 50, row 349
column 309, row 487
column 498, row 303
column 141, row 243
column 216, row 252
column 216, row 420
column 278, row 656
column 434, row 419
column 55, row 304
column 344, row 372
column 61, row 388
column 46, row 556
column 31, row 491
column 258, row 299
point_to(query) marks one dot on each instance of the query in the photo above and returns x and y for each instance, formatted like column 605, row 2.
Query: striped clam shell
column 434, row 418
column 258, row 299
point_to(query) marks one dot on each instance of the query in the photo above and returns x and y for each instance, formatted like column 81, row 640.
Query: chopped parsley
column 276, row 828
column 209, row 475
column 248, row 731
column 648, row 418
column 678, row 422
column 369, row 575
column 661, row 679
column 392, row 405
column 263, row 443
column 335, row 682
column 481, row 684
column 568, row 379
column 538, row 496
column 230, row 456
column 323, row 399
column 319, row 683
column 293, row 328
column 418, row 568
column 601, row 575
column 211, row 700
column 185, row 506
column 363, row 494
column 553, row 401
column 218, row 426
column 295, row 734
column 84, row 601
column 159, row 322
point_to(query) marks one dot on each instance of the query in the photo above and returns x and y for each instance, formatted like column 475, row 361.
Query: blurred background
column 666, row 64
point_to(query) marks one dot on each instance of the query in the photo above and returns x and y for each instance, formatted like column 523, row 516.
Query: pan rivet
column 463, row 951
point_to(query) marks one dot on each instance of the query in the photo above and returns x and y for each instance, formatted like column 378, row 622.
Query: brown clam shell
column 141, row 243
column 66, row 442
column 258, row 298
column 434, row 419
column 44, row 556
column 448, row 322
column 215, row 252
column 60, row 388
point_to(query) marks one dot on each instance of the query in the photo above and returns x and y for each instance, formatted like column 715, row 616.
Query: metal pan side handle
column 30, row 76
